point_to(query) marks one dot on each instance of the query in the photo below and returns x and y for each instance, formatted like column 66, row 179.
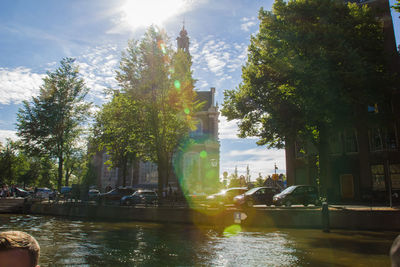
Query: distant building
column 364, row 159
column 196, row 167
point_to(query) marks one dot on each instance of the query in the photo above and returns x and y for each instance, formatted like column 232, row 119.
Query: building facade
column 364, row 159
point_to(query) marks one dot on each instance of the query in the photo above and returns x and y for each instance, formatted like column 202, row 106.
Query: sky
column 36, row 35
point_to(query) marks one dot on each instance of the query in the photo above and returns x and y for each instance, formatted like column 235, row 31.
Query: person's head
column 18, row 249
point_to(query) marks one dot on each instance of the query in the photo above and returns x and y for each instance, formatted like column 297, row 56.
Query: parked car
column 93, row 194
column 257, row 195
column 297, row 194
column 45, row 193
column 19, row 192
column 140, row 197
column 225, row 196
column 115, row 194
column 66, row 192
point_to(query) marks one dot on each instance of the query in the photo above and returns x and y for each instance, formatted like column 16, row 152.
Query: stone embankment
column 11, row 205
column 293, row 217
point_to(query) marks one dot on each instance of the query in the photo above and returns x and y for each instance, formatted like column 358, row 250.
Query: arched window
column 199, row 129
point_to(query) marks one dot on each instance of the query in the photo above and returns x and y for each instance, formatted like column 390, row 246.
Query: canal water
column 69, row 242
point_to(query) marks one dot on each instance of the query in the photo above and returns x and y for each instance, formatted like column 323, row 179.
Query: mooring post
column 325, row 217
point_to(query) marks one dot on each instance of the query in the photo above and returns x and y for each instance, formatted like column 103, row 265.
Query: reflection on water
column 86, row 243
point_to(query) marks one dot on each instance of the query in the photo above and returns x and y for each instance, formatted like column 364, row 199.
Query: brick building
column 364, row 159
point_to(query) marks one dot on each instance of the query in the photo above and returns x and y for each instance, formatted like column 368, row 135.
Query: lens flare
column 197, row 176
column 187, row 111
column 177, row 85
column 162, row 46
column 203, row 154
column 232, row 230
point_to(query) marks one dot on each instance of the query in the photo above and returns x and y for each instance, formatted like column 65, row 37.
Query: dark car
column 115, row 195
column 19, row 192
column 225, row 196
column 140, row 197
column 297, row 194
column 257, row 195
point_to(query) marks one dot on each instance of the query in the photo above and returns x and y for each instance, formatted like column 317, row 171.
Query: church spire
column 183, row 40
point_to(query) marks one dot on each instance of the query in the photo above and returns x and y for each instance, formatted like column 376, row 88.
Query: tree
column 397, row 6
column 160, row 81
column 117, row 130
column 51, row 122
column 8, row 161
column 259, row 181
column 248, row 176
column 312, row 64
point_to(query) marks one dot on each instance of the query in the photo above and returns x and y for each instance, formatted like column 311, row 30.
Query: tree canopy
column 51, row 123
column 158, row 83
column 117, row 130
column 312, row 64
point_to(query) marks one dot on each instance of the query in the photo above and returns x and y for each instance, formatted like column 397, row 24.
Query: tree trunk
column 60, row 172
column 323, row 161
column 162, row 174
column 67, row 174
column 124, row 167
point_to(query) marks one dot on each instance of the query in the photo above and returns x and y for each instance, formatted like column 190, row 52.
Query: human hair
column 20, row 240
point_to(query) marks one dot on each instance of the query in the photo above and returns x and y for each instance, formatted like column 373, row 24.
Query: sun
column 139, row 13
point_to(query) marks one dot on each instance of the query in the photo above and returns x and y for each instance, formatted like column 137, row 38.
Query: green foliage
column 118, row 131
column 51, row 123
column 160, row 82
column 311, row 64
column 259, row 181
column 234, row 182
column 17, row 167
column 397, row 6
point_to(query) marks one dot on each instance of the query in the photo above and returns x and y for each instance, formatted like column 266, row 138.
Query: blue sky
column 36, row 35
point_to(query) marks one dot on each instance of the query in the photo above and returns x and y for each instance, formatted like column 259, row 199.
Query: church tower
column 199, row 162
column 183, row 40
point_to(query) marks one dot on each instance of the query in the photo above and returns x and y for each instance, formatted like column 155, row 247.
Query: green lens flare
column 163, row 48
column 232, row 230
column 177, row 84
column 203, row 154
column 187, row 111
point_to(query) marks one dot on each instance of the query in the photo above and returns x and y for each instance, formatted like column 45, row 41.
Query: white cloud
column 217, row 57
column 18, row 84
column 228, row 129
column 4, row 134
column 248, row 23
column 97, row 66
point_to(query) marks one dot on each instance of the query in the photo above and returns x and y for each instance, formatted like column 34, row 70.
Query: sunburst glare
column 144, row 13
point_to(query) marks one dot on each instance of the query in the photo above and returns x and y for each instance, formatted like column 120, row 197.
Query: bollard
column 325, row 217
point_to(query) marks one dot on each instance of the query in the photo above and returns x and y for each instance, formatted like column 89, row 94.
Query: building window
column 199, row 129
column 383, row 138
column 395, row 175
column 378, row 177
column 351, row 144
column 336, row 144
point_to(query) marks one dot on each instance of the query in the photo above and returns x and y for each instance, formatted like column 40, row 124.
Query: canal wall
column 11, row 205
column 257, row 217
